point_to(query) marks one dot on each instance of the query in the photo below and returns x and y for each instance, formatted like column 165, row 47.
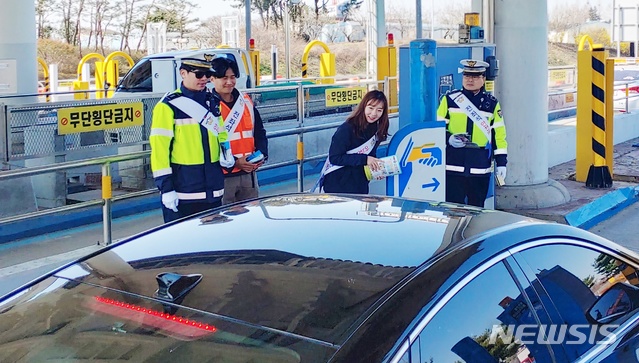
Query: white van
column 159, row 73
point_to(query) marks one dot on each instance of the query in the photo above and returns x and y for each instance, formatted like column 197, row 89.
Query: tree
column 598, row 36
column 450, row 17
column 400, row 19
column 606, row 266
column 68, row 30
column 208, row 33
column 593, row 14
column 43, row 10
column 565, row 17
column 500, row 350
column 177, row 14
column 346, row 9
column 129, row 13
column 320, row 7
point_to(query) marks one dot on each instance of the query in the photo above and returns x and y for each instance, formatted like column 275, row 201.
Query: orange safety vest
column 242, row 141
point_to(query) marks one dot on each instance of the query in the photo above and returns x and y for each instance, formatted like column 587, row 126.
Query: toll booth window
column 138, row 79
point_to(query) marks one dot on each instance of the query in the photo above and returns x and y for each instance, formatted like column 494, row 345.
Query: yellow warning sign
column 344, row 96
column 93, row 118
column 489, row 86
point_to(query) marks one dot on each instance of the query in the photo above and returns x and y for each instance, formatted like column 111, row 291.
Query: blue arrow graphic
column 434, row 184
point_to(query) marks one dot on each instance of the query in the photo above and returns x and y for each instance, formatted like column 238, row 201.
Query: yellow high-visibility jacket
column 184, row 154
column 474, row 161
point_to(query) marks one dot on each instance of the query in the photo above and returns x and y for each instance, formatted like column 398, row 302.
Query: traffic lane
column 618, row 228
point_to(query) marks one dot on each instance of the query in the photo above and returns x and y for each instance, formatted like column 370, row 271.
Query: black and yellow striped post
column 327, row 62
column 45, row 72
column 592, row 142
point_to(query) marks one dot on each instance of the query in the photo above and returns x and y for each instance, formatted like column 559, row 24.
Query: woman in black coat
column 354, row 145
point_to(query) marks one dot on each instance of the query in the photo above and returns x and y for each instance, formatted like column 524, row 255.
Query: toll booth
column 441, row 73
column 427, row 70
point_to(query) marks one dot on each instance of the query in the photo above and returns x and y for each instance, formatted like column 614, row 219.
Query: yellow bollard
column 107, row 68
column 84, row 60
column 307, row 49
column 45, row 72
column 80, row 86
column 255, row 61
column 327, row 68
column 112, row 75
column 99, row 80
column 387, row 67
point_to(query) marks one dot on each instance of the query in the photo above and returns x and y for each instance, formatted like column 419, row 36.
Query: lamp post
column 287, row 41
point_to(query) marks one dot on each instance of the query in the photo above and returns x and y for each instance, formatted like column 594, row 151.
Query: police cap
column 473, row 67
column 198, row 62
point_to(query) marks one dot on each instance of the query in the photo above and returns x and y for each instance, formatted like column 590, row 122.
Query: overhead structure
column 18, row 56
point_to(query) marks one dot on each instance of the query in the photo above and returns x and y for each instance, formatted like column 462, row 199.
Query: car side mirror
column 617, row 301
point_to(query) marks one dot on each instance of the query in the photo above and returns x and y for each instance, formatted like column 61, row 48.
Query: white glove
column 226, row 155
column 456, row 142
column 170, row 200
column 501, row 172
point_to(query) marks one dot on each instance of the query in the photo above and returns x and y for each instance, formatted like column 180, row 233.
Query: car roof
column 315, row 268
column 308, row 242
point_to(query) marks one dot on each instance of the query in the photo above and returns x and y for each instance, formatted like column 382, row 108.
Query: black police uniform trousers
column 471, row 190
column 187, row 209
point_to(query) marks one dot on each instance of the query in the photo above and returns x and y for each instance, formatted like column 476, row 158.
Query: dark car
column 336, row 278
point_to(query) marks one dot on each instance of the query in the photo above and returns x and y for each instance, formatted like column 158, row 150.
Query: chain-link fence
column 33, row 130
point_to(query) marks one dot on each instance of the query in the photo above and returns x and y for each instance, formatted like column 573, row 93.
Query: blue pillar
column 418, row 102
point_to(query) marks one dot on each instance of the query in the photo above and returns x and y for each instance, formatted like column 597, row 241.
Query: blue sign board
column 421, row 151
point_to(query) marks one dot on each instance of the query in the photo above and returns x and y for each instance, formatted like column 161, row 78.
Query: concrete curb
column 603, row 208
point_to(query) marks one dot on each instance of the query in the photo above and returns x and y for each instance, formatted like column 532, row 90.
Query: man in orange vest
column 245, row 129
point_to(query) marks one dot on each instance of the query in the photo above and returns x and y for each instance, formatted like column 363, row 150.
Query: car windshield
column 138, row 79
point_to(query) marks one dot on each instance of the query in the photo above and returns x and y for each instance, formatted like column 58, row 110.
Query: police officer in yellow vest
column 186, row 133
column 475, row 135
column 246, row 132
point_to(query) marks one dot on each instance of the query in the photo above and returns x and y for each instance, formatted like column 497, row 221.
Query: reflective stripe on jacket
column 184, row 155
column 474, row 161
column 242, row 140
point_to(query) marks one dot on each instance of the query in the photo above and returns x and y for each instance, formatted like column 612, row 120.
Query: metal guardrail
column 106, row 161
column 619, row 86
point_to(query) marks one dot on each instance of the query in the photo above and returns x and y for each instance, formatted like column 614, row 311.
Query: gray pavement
column 588, row 206
column 621, row 228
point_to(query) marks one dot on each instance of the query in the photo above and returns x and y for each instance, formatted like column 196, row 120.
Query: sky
column 210, row 8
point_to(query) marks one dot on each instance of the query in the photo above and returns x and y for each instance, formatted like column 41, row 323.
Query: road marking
column 41, row 262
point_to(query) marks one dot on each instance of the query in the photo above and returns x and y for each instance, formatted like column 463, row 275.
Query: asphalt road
column 622, row 228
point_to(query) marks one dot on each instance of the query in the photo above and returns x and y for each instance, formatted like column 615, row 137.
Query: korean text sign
column 102, row 117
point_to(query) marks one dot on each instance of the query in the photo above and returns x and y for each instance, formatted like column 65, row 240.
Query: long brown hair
column 358, row 117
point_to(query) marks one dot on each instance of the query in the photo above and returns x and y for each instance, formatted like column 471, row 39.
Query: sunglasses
column 200, row 74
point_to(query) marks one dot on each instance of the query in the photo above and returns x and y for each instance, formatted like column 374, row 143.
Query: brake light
column 174, row 326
